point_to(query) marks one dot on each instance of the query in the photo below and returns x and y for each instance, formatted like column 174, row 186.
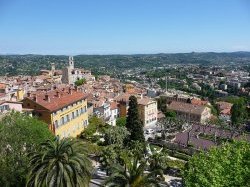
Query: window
column 56, row 124
column 68, row 118
column 73, row 115
column 85, row 123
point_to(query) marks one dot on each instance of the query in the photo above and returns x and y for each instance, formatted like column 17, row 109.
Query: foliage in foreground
column 60, row 163
column 228, row 165
column 19, row 134
column 132, row 174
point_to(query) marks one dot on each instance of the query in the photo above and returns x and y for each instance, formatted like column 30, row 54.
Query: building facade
column 148, row 111
column 65, row 111
column 190, row 112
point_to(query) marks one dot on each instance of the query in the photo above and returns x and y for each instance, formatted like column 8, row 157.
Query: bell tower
column 71, row 62
column 53, row 69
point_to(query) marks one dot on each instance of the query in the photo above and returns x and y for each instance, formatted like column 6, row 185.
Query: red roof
column 226, row 111
column 56, row 102
column 113, row 105
column 2, row 85
column 198, row 102
column 224, row 105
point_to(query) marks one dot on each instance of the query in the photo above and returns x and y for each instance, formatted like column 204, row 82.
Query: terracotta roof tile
column 186, row 107
column 55, row 103
column 144, row 101
column 198, row 102
column 113, row 105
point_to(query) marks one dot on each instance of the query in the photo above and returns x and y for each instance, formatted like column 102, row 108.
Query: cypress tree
column 238, row 113
column 133, row 122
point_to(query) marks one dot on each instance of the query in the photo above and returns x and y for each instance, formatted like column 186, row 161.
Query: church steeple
column 71, row 62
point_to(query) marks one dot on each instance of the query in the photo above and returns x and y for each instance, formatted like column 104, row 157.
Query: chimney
column 58, row 94
column 47, row 97
column 70, row 91
column 34, row 97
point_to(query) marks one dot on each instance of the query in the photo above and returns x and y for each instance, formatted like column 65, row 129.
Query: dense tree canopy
column 238, row 112
column 115, row 135
column 228, row 165
column 19, row 134
column 95, row 125
column 121, row 122
column 170, row 114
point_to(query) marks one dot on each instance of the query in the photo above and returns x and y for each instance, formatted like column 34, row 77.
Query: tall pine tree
column 133, row 122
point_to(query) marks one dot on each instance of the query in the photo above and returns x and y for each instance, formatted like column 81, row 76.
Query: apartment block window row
column 150, row 120
column 67, row 107
column 4, row 107
column 85, row 123
column 69, row 117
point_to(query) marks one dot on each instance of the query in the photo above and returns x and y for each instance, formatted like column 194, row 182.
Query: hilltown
column 56, row 98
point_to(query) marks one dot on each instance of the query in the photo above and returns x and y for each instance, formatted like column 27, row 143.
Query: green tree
column 115, row 135
column 170, row 114
column 59, row 163
column 137, row 148
column 162, row 104
column 133, row 122
column 121, row 122
column 80, row 82
column 132, row 174
column 228, row 165
column 95, row 125
column 157, row 159
column 238, row 112
column 109, row 156
column 19, row 134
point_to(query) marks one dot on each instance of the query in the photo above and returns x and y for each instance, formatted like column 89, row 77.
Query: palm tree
column 59, row 163
column 132, row 174
column 156, row 158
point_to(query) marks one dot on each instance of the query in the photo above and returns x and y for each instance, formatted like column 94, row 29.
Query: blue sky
column 123, row 26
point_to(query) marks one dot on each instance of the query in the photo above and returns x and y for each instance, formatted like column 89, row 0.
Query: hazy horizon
column 124, row 53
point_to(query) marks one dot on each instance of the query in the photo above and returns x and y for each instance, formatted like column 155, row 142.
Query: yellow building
column 148, row 111
column 128, row 88
column 147, row 108
column 65, row 111
column 20, row 94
